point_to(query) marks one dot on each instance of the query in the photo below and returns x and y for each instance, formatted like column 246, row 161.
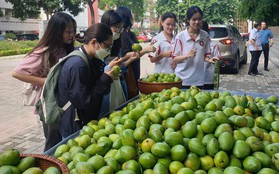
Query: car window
column 218, row 32
column 236, row 32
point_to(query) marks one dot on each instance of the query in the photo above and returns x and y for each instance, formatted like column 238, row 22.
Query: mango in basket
column 161, row 78
column 10, row 157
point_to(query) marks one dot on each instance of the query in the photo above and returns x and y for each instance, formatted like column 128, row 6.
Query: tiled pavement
column 20, row 128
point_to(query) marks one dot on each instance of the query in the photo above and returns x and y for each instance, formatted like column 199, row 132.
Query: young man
column 267, row 41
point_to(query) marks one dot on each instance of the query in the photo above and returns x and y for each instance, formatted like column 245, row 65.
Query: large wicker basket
column 45, row 161
column 149, row 87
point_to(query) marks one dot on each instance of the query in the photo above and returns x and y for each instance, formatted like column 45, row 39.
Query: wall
column 275, row 30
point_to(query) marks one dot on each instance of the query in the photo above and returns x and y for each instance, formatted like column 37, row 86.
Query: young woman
column 128, row 38
column 57, row 42
column 118, row 93
column 192, row 48
column 84, row 87
column 209, row 67
column 165, row 40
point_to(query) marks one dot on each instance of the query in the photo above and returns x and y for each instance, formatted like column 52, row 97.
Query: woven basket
column 45, row 161
column 149, row 87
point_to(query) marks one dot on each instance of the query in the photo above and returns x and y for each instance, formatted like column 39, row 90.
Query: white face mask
column 102, row 53
column 115, row 36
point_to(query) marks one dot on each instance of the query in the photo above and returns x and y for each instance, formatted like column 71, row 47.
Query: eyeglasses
column 108, row 46
column 70, row 31
column 118, row 29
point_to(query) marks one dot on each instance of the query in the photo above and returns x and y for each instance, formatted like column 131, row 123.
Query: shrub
column 10, row 36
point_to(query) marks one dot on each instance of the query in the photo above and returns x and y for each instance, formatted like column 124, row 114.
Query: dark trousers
column 52, row 135
column 266, row 54
column 254, row 61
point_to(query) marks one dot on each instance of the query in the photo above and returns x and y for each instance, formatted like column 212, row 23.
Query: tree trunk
column 90, row 4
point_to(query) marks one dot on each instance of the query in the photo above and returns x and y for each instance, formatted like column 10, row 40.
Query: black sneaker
column 266, row 69
column 258, row 73
column 251, row 74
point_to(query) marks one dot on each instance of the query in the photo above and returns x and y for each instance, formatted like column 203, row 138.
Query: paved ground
column 20, row 128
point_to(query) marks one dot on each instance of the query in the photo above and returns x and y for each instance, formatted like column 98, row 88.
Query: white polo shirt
column 164, row 65
column 191, row 70
column 209, row 67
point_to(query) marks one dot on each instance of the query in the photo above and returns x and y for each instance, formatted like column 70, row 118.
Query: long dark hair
column 113, row 19
column 166, row 16
column 191, row 11
column 53, row 36
column 100, row 31
column 204, row 26
column 126, row 16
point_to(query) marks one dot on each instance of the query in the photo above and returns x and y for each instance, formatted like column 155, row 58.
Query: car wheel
column 236, row 67
column 244, row 61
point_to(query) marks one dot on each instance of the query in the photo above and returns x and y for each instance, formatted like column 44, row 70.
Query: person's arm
column 29, row 78
column 148, row 49
column 271, row 42
column 181, row 58
column 166, row 54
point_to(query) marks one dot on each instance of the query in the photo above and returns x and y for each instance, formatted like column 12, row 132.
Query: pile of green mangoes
column 11, row 163
column 161, row 78
column 180, row 131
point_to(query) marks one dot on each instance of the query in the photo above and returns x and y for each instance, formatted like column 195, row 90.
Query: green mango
column 241, row 149
column 192, row 161
column 226, row 141
column 235, row 162
column 258, row 132
column 160, row 169
column 243, row 101
column 274, row 136
column 33, row 170
column 127, row 138
column 237, row 135
column 215, row 170
column 52, row 170
column 221, row 159
column 26, row 163
column 262, row 123
column 195, row 145
column 254, row 108
column 251, row 164
column 105, row 170
column 267, row 170
column 255, row 144
column 207, row 138
column 117, row 143
column 156, row 135
column 265, row 160
column 271, row 149
column 6, row 170
column 222, row 128
column 275, row 160
column 246, row 131
column 9, row 157
column 233, row 170
column 212, row 147
column 189, row 129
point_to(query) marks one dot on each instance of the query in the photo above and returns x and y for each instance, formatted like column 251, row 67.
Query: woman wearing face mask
column 118, row 93
column 84, row 87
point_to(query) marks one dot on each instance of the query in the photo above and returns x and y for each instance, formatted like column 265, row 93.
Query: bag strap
column 83, row 56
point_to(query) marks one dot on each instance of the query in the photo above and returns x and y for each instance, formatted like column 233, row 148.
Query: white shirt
column 255, row 35
column 191, row 70
column 209, row 67
column 163, row 65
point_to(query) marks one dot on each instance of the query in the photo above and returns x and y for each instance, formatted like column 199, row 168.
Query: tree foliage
column 215, row 11
column 136, row 6
column 24, row 9
column 258, row 10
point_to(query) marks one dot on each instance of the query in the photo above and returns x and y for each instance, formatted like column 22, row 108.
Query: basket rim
column 63, row 167
column 158, row 83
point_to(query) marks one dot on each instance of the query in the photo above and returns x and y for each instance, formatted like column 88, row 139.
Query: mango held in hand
column 136, row 47
column 116, row 71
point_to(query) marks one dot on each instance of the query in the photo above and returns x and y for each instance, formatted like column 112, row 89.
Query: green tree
column 31, row 8
column 258, row 10
column 215, row 11
column 136, row 6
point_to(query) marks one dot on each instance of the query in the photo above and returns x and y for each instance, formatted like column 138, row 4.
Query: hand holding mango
column 136, row 47
column 116, row 71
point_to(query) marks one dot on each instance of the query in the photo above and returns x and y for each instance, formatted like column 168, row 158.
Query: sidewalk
column 20, row 128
